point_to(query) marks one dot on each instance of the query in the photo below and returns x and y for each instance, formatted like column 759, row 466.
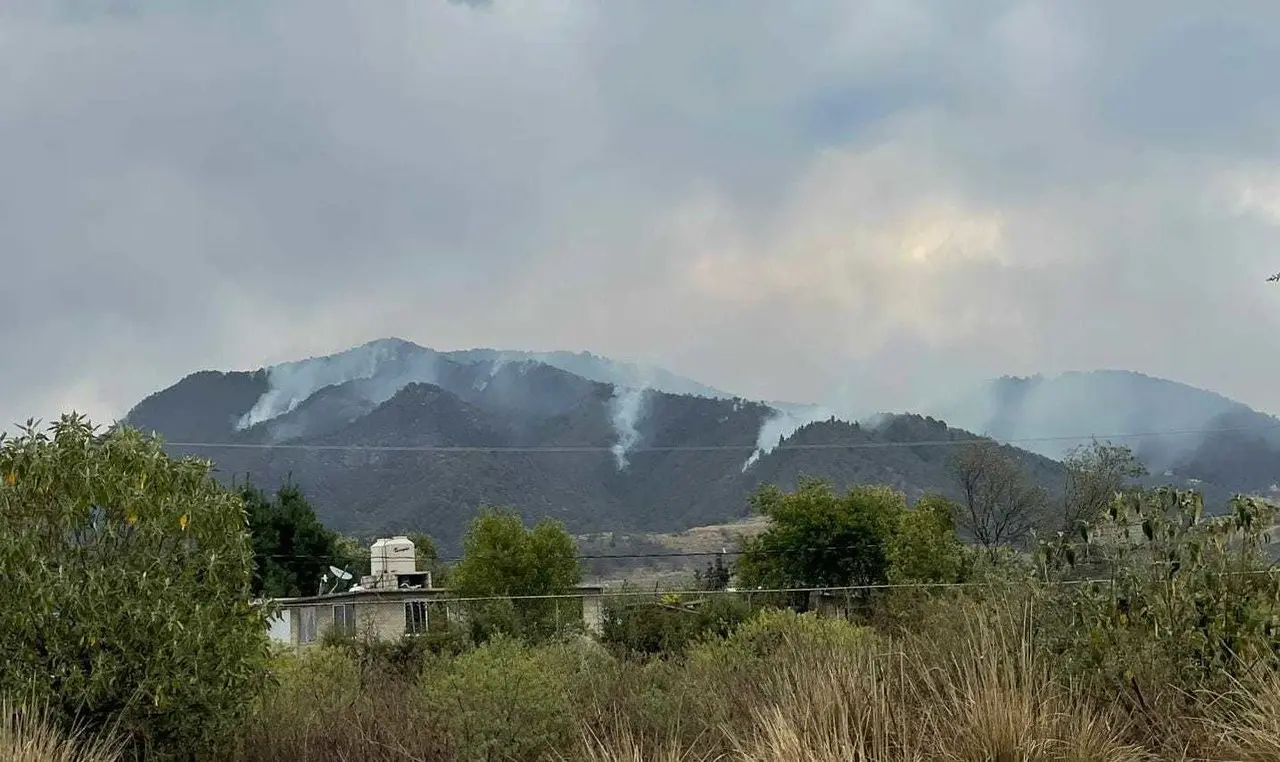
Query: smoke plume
column 626, row 408
column 379, row 370
column 785, row 421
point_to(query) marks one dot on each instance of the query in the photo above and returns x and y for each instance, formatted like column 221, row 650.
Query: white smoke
column 379, row 369
column 626, row 408
column 785, row 421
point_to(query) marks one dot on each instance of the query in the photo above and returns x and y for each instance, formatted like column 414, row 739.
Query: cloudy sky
column 814, row 201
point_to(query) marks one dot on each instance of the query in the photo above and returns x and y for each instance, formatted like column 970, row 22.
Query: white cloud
column 856, row 201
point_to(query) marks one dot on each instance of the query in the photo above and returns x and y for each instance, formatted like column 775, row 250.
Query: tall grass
column 29, row 735
column 970, row 686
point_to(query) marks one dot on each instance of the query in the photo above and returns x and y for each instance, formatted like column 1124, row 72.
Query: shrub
column 669, row 628
column 127, row 588
column 1187, row 601
column 324, row 706
column 503, row 700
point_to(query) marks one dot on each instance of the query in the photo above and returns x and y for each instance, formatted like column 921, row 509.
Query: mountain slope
column 396, row 437
column 1192, row 435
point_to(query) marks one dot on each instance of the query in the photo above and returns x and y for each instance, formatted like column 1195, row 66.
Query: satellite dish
column 341, row 574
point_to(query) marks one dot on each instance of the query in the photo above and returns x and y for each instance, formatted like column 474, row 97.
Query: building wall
column 280, row 627
column 385, row 618
column 593, row 614
column 381, row 619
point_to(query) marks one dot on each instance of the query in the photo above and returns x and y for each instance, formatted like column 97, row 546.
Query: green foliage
column 1187, row 599
column 427, row 558
column 925, row 547
column 127, row 580
column 772, row 631
column 715, row 577
column 821, row 539
column 668, row 628
column 326, row 705
column 503, row 701
column 501, row 557
column 291, row 548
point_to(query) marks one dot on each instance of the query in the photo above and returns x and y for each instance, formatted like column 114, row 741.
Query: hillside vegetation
column 1148, row 632
column 492, row 406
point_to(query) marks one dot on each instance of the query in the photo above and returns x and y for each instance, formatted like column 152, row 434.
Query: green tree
column 502, row 557
column 428, row 558
column 818, row 538
column 924, row 547
column 715, row 577
column 127, row 580
column 292, row 550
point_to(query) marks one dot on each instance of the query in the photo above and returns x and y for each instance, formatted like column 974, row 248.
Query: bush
column 324, row 706
column 668, row 628
column 1189, row 601
column 504, row 700
column 127, row 588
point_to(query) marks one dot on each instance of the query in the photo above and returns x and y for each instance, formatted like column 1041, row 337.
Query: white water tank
column 392, row 556
column 378, row 558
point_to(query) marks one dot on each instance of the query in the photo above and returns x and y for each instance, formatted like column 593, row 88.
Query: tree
column 821, row 539
column 292, row 550
column 925, row 547
column 501, row 557
column 999, row 504
column 715, row 576
column 127, row 587
column 1096, row 474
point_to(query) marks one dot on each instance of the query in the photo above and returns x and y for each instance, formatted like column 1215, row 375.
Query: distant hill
column 635, row 453
column 1192, row 436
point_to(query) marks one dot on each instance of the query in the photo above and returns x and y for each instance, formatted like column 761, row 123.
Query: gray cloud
column 858, row 203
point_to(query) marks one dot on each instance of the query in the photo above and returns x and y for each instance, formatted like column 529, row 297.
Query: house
column 395, row 600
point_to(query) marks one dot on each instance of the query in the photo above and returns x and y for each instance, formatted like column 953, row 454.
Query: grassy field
column 947, row 678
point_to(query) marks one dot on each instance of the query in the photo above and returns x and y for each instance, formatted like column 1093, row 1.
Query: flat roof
column 396, row 594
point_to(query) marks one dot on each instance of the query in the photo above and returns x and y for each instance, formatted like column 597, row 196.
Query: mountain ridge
column 605, row 454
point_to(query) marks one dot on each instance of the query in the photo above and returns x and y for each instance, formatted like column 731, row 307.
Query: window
column 306, row 625
column 415, row 617
column 344, row 619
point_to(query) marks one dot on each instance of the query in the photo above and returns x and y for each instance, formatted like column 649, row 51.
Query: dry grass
column 31, row 736
column 986, row 700
column 977, row 690
column 1246, row 723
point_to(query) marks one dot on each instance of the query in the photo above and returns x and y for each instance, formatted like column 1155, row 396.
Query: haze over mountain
column 610, row 445
column 452, row 431
column 1180, row 432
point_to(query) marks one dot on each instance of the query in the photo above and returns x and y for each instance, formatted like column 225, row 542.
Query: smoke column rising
column 626, row 408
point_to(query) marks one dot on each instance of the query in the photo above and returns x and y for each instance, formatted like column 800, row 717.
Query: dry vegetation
column 970, row 683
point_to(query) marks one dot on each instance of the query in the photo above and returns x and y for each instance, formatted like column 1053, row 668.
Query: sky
column 818, row 201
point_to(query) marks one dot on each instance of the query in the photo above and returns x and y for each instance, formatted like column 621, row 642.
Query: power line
column 761, row 591
column 597, row 449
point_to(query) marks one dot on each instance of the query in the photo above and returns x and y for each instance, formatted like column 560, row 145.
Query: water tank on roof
column 392, row 556
column 378, row 558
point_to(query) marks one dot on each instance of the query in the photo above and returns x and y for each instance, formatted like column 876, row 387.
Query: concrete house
column 395, row 600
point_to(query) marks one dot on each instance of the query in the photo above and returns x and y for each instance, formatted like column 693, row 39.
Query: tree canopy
column 502, row 557
column 1000, row 504
column 819, row 538
column 291, row 548
column 1096, row 474
column 127, row 578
